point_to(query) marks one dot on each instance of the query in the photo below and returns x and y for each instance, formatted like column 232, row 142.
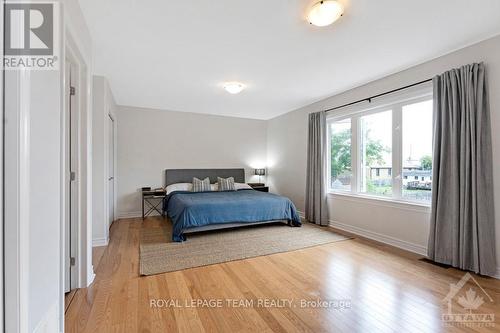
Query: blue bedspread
column 196, row 209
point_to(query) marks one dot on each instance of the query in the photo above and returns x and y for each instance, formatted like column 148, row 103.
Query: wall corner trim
column 90, row 277
column 104, row 241
column 50, row 321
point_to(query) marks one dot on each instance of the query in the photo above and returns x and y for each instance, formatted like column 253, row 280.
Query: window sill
column 381, row 201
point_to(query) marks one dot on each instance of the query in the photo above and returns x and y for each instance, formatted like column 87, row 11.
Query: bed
column 201, row 211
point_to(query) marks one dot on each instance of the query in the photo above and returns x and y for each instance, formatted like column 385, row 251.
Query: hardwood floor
column 97, row 253
column 388, row 290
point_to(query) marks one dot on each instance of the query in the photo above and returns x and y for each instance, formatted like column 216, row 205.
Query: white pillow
column 241, row 186
column 179, row 187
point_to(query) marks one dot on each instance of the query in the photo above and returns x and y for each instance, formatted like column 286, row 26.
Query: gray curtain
column 462, row 219
column 316, row 209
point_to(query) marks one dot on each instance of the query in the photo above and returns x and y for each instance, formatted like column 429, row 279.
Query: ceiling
column 174, row 55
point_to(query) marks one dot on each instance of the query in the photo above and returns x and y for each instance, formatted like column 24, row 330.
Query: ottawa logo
column 470, row 296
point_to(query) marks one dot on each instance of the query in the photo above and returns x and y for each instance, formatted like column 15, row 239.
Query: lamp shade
column 260, row 172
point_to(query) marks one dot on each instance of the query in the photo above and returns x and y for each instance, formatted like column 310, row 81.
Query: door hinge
column 72, row 261
column 72, row 176
column 72, row 91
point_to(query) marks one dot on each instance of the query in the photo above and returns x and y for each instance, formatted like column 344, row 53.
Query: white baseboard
column 50, row 321
column 130, row 215
column 415, row 248
column 91, row 276
column 100, row 242
column 411, row 247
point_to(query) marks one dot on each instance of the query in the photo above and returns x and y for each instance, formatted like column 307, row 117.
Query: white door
column 1, row 178
column 67, row 185
column 111, row 171
column 71, row 172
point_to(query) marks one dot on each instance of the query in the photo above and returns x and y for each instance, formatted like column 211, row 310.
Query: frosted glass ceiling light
column 325, row 12
column 234, row 87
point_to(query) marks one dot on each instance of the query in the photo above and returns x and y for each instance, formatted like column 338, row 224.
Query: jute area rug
column 158, row 254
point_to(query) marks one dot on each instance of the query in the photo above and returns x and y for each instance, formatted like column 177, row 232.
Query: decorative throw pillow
column 201, row 185
column 242, row 186
column 226, row 184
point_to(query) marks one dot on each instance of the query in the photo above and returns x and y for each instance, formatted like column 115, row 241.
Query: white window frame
column 395, row 102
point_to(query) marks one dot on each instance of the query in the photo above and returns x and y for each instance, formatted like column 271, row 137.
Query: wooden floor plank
column 68, row 298
column 389, row 290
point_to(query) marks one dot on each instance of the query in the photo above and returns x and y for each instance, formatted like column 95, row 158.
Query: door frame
column 82, row 225
column 82, row 232
column 84, row 271
column 111, row 117
column 71, row 148
column 2, row 114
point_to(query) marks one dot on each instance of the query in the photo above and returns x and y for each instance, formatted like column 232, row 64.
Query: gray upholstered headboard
column 173, row 176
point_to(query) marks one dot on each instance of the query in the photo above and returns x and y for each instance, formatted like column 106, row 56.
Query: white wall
column 45, row 182
column 401, row 225
column 150, row 141
column 103, row 105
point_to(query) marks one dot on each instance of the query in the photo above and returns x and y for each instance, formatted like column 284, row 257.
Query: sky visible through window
column 417, row 130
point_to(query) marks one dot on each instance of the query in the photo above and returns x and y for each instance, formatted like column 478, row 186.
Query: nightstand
column 259, row 187
column 153, row 199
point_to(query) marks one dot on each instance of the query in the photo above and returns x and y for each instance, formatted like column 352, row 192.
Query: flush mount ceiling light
column 325, row 12
column 234, row 87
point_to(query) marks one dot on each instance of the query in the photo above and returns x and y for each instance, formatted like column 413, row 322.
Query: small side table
column 259, row 187
column 152, row 201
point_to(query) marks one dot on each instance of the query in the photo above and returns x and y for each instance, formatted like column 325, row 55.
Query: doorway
column 71, row 181
column 111, row 171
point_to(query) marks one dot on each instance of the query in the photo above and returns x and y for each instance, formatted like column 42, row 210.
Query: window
column 376, row 153
column 417, row 150
column 384, row 148
column 340, row 155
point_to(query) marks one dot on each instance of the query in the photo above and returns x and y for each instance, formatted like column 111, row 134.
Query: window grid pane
column 376, row 153
column 417, row 151
column 340, row 155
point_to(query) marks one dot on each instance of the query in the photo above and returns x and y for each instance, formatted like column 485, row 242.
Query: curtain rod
column 369, row 99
